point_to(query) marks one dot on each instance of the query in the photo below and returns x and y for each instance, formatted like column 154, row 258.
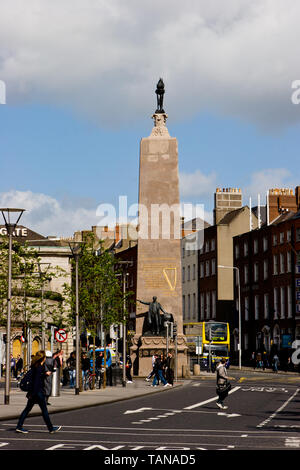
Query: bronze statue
column 154, row 317
column 160, row 90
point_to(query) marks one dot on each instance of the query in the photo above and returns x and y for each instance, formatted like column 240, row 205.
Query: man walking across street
column 223, row 385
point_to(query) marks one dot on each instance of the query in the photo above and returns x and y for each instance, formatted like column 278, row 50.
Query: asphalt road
column 262, row 414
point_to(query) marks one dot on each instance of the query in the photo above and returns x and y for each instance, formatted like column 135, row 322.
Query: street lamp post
column 124, row 264
column 42, row 272
column 239, row 306
column 75, row 248
column 11, row 218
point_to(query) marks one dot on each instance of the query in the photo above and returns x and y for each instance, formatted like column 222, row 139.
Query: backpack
column 27, row 382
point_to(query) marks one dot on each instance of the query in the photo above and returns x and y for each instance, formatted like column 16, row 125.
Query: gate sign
column 61, row 335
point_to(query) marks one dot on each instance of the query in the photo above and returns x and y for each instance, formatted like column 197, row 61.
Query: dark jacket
column 48, row 378
column 71, row 363
column 86, row 363
column 38, row 381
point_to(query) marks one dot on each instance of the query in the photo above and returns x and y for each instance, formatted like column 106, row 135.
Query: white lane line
column 279, row 410
column 209, row 400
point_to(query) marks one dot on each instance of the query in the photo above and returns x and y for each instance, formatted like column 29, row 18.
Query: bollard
column 55, row 391
column 186, row 372
column 196, row 369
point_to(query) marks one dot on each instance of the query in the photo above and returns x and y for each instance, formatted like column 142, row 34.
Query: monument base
column 144, row 347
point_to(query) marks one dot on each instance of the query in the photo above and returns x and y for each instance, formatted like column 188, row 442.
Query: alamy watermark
column 157, row 221
column 2, row 92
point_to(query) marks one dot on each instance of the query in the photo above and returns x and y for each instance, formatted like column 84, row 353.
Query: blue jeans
column 39, row 399
column 161, row 377
column 72, row 378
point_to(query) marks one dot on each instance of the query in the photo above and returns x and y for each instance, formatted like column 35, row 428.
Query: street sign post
column 61, row 335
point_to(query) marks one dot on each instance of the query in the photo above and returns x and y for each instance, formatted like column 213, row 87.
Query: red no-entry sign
column 61, row 335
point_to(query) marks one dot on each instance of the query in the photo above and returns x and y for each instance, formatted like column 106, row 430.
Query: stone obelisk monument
column 159, row 247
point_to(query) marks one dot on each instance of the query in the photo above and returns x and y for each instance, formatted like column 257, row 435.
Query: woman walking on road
column 223, row 385
column 36, row 395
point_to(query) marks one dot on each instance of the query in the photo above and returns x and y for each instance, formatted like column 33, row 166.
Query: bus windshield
column 219, row 350
column 218, row 331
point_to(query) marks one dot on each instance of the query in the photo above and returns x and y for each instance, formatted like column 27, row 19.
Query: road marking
column 278, row 411
column 231, row 415
column 209, row 400
column 292, row 442
column 139, row 410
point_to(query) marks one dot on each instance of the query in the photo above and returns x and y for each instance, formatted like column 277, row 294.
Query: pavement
column 67, row 400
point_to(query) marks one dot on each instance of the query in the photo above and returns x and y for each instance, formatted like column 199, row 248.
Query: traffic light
column 174, row 330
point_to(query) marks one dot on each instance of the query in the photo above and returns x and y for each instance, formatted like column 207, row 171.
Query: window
column 213, row 267
column 246, row 308
column 290, row 305
column 207, row 246
column 282, row 302
column 183, row 274
column 281, row 237
column 189, row 273
column 288, row 235
column 237, row 250
column 255, row 246
column 276, row 306
column 213, row 244
column 246, row 274
column 265, row 243
column 245, row 248
column 289, row 262
column 266, row 269
column 213, row 304
column 194, row 305
column 281, row 263
column 256, row 307
column 207, row 304
column 183, row 305
column 201, row 269
column 256, row 269
column 266, row 305
column 189, row 305
column 207, row 270
column 274, row 239
column 183, row 251
column 275, row 264
column 194, row 271
column 202, row 306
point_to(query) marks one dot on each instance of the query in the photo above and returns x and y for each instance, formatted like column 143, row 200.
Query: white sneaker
column 129, row 381
column 147, row 380
column 224, row 407
column 219, row 405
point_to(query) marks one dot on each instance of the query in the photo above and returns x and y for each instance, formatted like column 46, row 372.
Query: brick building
column 268, row 260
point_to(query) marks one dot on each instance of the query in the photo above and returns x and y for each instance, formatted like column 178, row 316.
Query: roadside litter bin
column 55, row 391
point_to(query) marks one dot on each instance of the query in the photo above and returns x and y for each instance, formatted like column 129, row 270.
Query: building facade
column 268, row 260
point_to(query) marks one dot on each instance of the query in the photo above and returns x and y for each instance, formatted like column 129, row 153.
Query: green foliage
column 29, row 287
column 101, row 300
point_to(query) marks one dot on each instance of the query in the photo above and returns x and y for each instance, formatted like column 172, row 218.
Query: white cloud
column 261, row 181
column 47, row 216
column 103, row 58
column 197, row 184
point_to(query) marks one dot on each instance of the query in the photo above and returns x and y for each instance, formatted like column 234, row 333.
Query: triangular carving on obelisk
column 171, row 277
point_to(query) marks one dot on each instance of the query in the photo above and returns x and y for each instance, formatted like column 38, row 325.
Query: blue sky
column 70, row 129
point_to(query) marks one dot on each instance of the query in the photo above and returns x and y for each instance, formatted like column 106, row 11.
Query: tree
column 100, row 292
column 28, row 288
